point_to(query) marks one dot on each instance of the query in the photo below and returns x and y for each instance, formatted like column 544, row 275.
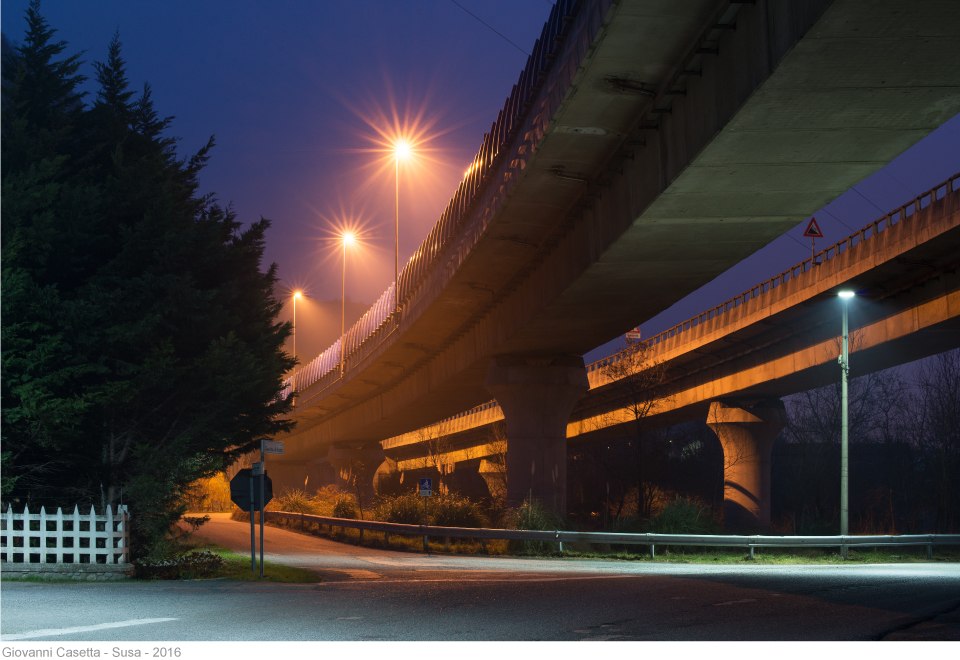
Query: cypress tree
column 141, row 347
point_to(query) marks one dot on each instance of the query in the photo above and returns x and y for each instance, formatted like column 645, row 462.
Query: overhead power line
column 490, row 27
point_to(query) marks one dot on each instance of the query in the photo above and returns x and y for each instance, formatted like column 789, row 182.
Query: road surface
column 374, row 594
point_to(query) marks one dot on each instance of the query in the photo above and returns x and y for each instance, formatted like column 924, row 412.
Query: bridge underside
column 779, row 343
column 798, row 103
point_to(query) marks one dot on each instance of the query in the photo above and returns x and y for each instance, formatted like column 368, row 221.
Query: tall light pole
column 346, row 239
column 845, row 297
column 296, row 294
column 401, row 149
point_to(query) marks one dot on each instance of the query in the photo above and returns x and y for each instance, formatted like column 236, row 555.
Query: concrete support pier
column 361, row 463
column 747, row 437
column 536, row 396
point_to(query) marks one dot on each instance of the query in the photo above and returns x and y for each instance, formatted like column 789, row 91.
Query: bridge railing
column 875, row 228
column 457, row 219
column 652, row 540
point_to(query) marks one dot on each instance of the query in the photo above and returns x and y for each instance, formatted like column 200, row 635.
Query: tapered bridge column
column 747, row 437
column 357, row 465
column 536, row 397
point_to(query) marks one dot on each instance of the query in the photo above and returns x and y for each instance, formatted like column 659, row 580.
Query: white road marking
column 508, row 579
column 50, row 632
column 736, row 602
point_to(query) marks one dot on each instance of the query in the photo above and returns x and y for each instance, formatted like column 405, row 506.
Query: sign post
column 253, row 533
column 266, row 447
column 244, row 494
column 426, row 490
column 813, row 233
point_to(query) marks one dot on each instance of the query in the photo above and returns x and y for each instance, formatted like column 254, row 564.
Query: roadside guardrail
column 560, row 536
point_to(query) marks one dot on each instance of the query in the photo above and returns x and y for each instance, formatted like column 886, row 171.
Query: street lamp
column 296, row 295
column 346, row 239
column 844, row 361
column 401, row 150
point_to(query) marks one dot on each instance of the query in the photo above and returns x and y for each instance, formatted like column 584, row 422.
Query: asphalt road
column 371, row 594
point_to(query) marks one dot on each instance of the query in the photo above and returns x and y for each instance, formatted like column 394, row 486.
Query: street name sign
column 272, row 447
column 240, row 490
column 426, row 487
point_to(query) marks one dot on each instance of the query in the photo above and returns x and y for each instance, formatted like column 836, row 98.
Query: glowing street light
column 402, row 150
column 296, row 295
column 844, row 361
column 346, row 239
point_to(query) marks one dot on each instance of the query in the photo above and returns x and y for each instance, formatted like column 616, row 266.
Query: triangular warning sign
column 813, row 230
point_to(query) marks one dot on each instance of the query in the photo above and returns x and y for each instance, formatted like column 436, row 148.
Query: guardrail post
column 751, row 553
column 930, row 549
column 483, row 546
column 653, row 551
column 386, row 539
column 425, row 548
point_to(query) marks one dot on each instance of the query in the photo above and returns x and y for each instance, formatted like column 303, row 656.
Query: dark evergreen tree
column 140, row 345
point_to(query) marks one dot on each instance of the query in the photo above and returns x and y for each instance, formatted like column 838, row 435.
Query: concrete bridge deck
column 731, row 364
column 776, row 339
column 646, row 141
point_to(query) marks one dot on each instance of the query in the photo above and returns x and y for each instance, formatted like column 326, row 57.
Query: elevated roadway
column 645, row 143
column 779, row 338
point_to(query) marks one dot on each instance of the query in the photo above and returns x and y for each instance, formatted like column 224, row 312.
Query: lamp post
column 844, row 361
column 346, row 239
column 401, row 149
column 296, row 295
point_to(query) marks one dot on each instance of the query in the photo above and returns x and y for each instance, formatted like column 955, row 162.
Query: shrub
column 190, row 566
column 345, row 506
column 402, row 509
column 295, row 501
column 456, row 511
column 533, row 515
column 684, row 516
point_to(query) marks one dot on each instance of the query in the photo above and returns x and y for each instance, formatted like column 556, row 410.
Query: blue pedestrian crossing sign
column 426, row 487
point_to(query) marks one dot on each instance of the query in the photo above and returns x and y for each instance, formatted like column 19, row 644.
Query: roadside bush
column 684, row 516
column 295, row 501
column 533, row 515
column 625, row 525
column 191, row 566
column 456, row 511
column 402, row 509
column 345, row 506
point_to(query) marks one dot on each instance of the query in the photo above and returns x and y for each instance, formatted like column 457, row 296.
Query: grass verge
column 237, row 567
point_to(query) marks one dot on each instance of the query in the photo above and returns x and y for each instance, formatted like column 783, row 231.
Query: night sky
column 301, row 97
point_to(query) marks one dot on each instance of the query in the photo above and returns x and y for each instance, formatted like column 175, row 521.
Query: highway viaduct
column 646, row 148
column 731, row 364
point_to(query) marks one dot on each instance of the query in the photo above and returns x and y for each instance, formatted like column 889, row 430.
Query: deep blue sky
column 294, row 91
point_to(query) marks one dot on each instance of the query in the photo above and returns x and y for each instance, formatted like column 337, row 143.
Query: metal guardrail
column 652, row 540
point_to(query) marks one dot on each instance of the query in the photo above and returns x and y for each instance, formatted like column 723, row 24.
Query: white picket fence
column 42, row 538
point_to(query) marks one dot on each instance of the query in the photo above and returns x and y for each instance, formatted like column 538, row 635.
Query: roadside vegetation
column 681, row 516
